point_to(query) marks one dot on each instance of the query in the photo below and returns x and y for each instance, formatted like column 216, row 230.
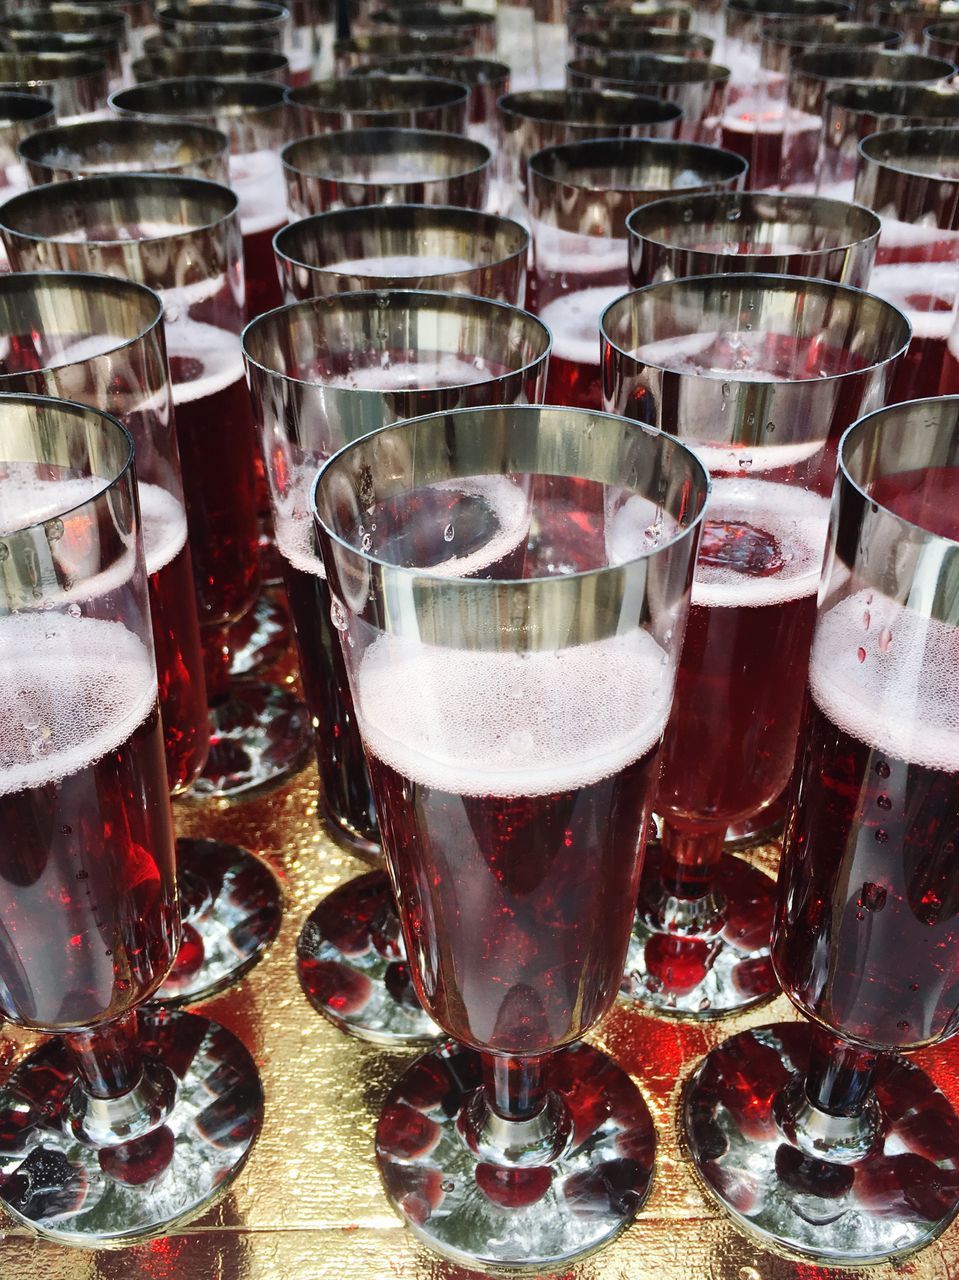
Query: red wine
column 754, row 129
column 574, row 376
column 88, row 916
column 513, row 793
column 217, row 449
column 867, row 936
column 743, row 663
column 257, row 178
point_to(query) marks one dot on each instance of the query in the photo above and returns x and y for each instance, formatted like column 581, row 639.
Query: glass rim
column 197, row 186
column 344, row 138
column 77, row 410
column 260, row 95
column 736, row 165
column 862, row 427
column 37, row 281
column 294, row 94
column 101, row 18
column 816, row 64
column 684, row 70
column 272, row 59
column 73, row 66
column 498, row 71
column 780, row 198
column 451, row 300
column 784, row 32
column 455, row 17
column 35, row 107
column 668, row 112
column 947, row 31
column 410, row 574
column 794, row 9
column 372, row 210
column 270, row 14
column 217, row 142
column 835, row 97
column 896, row 138
column 758, row 279
column 360, row 41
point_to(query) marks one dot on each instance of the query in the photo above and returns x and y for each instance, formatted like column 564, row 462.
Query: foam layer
column 898, row 235
column 568, row 253
column 216, row 350
column 30, row 499
column 574, row 321
column 403, row 264
column 257, row 178
column 798, row 520
column 508, row 724
column 756, row 459
column 164, row 526
column 510, row 510
column 906, row 283
column 293, row 522
column 120, row 232
column 71, row 690
column 744, row 355
column 902, row 698
column 444, row 370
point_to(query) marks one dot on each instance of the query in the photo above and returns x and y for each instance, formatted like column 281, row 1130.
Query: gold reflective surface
column 309, row 1206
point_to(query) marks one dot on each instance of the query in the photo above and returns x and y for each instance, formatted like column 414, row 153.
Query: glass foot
column 760, row 829
column 259, row 735
column 695, row 976
column 353, row 968
column 348, row 837
column 79, row 1195
column 529, row 1217
column 261, row 637
column 893, row 1200
column 231, row 905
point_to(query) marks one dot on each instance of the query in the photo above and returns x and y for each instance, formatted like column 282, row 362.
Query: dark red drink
column 217, row 446
column 574, row 377
column 867, row 938
column 513, row 804
column 257, row 178
column 754, row 129
column 88, row 916
column 744, row 653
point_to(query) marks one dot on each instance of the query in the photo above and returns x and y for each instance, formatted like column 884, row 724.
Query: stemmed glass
column 820, row 1138
column 125, row 146
column 322, row 373
column 760, row 374
column 386, row 102
column 580, row 195
column 910, row 177
column 131, row 1120
column 385, row 166
column 404, row 246
column 181, row 236
column 511, row 725
column 707, row 234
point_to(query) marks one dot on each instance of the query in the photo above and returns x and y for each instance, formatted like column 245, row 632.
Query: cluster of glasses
column 279, row 314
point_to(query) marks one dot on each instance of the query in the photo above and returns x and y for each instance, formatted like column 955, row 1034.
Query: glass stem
column 833, row 1113
column 108, row 1058
column 839, row 1076
column 516, row 1088
column 216, row 663
column 515, row 1121
column 686, row 901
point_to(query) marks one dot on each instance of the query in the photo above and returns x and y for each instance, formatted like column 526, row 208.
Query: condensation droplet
column 448, row 533
column 53, row 530
column 448, row 1185
column 74, row 610
column 881, row 836
column 884, row 801
column 861, row 654
column 903, row 1024
column 338, row 615
column 882, row 769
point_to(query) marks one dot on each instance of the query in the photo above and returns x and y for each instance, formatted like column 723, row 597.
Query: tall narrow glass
column 322, row 373
column 146, row 227
column 707, row 234
column 404, row 246
column 125, row 146
column 511, row 725
column 580, row 195
column 760, row 374
column 910, row 177
column 387, row 102
column 253, row 115
column 820, row 1138
column 113, row 1131
column 385, row 166
column 698, row 87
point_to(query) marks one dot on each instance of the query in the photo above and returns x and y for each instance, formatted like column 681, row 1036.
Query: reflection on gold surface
column 308, row 1206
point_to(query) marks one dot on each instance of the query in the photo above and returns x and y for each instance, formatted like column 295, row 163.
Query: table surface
column 309, row 1205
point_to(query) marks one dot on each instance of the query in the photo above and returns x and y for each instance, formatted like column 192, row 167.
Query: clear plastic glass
column 699, row 88
column 369, row 102
column 77, row 84
column 125, row 146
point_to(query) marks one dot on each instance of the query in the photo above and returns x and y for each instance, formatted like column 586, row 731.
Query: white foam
column 509, row 506
column 574, row 319
column 71, row 690
column 29, row 499
column 691, row 354
column 569, row 254
column 128, row 233
column 403, row 264
column 903, row 283
column 257, row 178
column 217, row 350
column 446, row 370
column 756, row 459
column 898, row 235
column 164, row 526
column 796, row 518
column 902, row 696
column 512, row 724
column 293, row 521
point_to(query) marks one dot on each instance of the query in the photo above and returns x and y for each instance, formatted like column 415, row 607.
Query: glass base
column 353, row 968
column 348, row 838
column 75, row 1194
column 261, row 637
column 893, row 1200
column 259, row 735
column 527, row 1217
column 232, row 906
column 695, row 976
column 761, row 828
